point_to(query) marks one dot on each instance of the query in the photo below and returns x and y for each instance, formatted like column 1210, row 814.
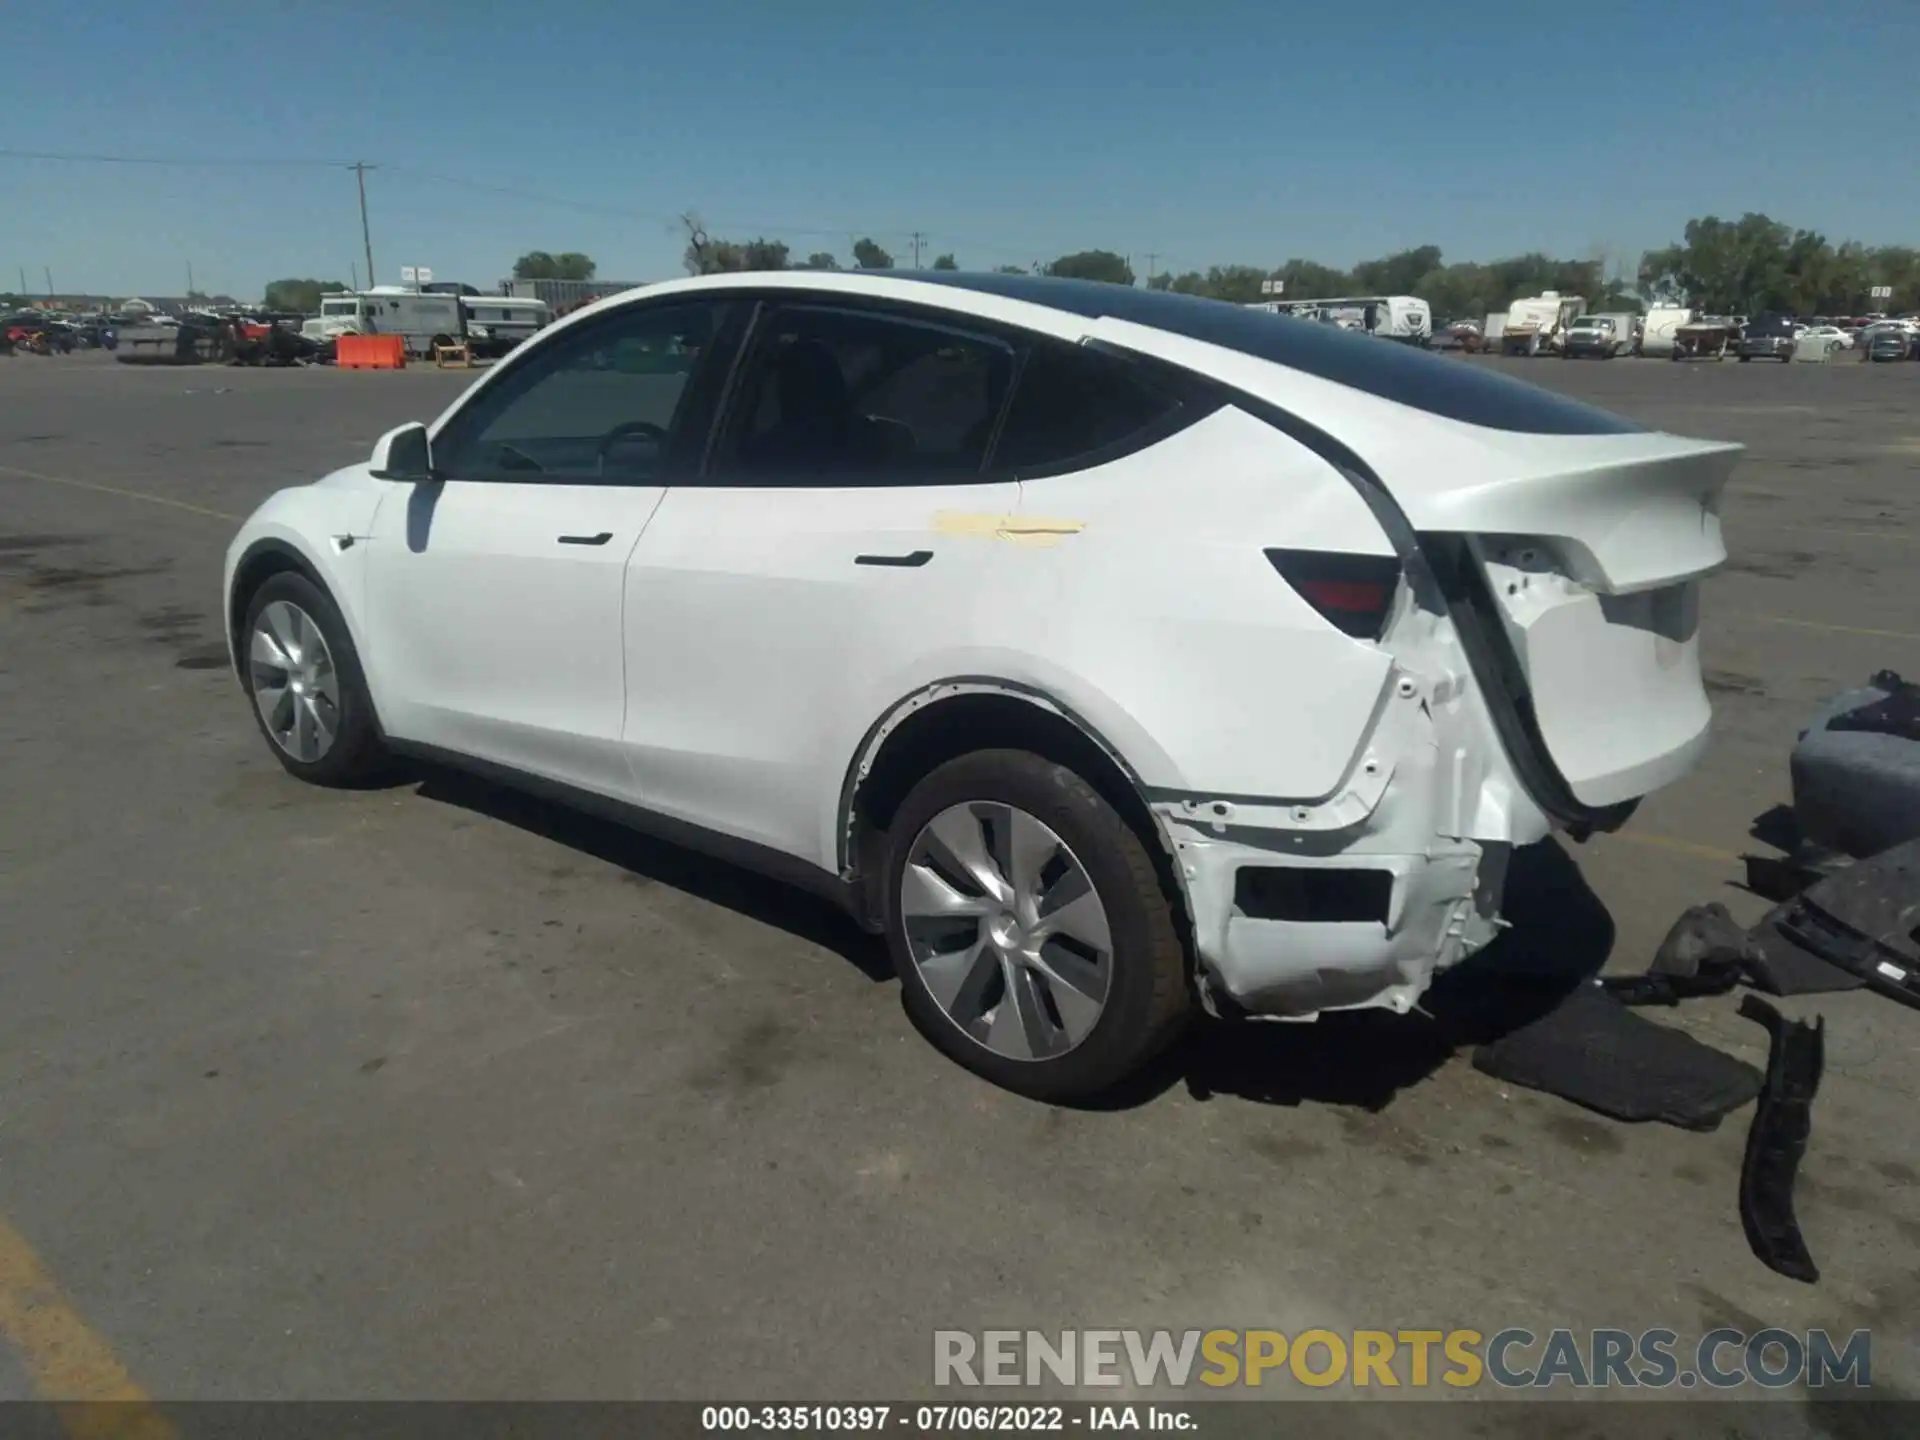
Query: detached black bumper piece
column 1778, row 1138
column 1865, row 920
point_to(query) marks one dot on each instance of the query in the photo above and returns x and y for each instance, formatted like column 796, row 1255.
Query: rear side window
column 1075, row 406
column 1405, row 374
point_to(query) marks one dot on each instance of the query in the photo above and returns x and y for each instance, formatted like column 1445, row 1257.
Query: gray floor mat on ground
column 1596, row 1052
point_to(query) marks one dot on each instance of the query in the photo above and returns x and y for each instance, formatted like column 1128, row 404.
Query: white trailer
column 1539, row 323
column 497, row 323
column 1662, row 320
column 422, row 320
column 1406, row 318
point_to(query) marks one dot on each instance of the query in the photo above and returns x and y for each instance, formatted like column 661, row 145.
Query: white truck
column 422, row 320
column 1539, row 324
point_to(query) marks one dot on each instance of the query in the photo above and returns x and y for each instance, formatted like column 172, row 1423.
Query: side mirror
column 403, row 454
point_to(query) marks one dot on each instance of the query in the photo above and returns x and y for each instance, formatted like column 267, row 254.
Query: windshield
column 1592, row 322
column 1772, row 325
column 339, row 307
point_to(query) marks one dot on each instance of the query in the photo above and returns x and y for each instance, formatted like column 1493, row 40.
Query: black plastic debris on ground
column 1777, row 1140
column 1708, row 953
column 1863, row 921
column 1596, row 1052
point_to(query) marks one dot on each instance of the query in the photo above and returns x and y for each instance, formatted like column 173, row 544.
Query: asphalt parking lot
column 434, row 1092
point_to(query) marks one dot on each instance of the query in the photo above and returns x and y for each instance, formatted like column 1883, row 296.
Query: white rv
column 1539, row 323
column 1406, row 318
column 423, row 320
column 1662, row 321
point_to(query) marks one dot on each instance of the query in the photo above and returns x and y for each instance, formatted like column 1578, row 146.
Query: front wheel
column 1033, row 937
column 309, row 695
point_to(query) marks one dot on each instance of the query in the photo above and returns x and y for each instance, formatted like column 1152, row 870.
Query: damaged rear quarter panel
column 1167, row 607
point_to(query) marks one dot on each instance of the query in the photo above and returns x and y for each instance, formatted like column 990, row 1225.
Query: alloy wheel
column 1006, row 930
column 294, row 684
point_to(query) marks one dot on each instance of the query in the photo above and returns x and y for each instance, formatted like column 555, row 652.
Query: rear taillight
column 1353, row 593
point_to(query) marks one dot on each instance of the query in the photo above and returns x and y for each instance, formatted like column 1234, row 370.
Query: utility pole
column 354, row 266
column 917, row 238
column 48, row 270
column 23, row 280
column 1152, row 256
column 189, row 279
column 360, row 168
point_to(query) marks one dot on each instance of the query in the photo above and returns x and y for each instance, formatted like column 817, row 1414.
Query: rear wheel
column 1034, row 940
column 309, row 696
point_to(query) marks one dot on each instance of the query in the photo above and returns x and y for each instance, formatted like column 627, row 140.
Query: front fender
column 324, row 530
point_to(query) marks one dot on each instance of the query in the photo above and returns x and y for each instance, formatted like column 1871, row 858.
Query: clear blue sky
column 1211, row 131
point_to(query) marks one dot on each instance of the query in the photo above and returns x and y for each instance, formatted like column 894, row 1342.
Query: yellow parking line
column 141, row 495
column 1676, row 846
column 70, row 1363
column 1838, row 629
column 1899, row 537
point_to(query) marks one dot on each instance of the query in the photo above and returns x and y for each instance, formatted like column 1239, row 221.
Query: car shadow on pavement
column 719, row 882
column 1561, row 937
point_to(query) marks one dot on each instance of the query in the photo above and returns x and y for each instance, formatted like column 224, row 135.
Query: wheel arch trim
column 945, row 691
column 298, row 559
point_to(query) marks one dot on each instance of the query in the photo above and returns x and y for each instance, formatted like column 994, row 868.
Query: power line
column 181, row 162
column 667, row 219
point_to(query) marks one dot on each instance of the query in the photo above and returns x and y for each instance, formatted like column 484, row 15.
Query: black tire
column 1148, row 1001
column 357, row 756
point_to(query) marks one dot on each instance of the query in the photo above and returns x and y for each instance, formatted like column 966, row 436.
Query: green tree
column 1310, row 280
column 542, row 265
column 1191, row 283
column 819, row 260
column 1398, row 274
column 723, row 257
column 1237, row 283
column 1009, row 269
column 300, row 295
column 945, row 262
column 1093, row 265
column 1162, row 281
column 869, row 256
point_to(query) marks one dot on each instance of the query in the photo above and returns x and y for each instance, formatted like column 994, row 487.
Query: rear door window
column 859, row 397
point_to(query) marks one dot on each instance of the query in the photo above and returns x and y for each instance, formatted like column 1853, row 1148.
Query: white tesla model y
column 1113, row 653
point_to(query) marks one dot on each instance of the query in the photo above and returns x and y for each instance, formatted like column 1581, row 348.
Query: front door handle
column 912, row 560
column 600, row 539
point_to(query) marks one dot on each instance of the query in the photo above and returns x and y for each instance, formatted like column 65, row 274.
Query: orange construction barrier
column 370, row 352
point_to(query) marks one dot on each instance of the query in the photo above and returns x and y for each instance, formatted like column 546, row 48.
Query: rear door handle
column 912, row 560
column 600, row 539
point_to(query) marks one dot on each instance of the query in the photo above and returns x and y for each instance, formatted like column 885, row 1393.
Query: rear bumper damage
column 1357, row 900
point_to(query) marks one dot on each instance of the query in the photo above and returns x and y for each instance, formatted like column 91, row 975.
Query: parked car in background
column 1598, row 337
column 1111, row 652
column 1891, row 342
column 1841, row 339
column 1770, row 335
